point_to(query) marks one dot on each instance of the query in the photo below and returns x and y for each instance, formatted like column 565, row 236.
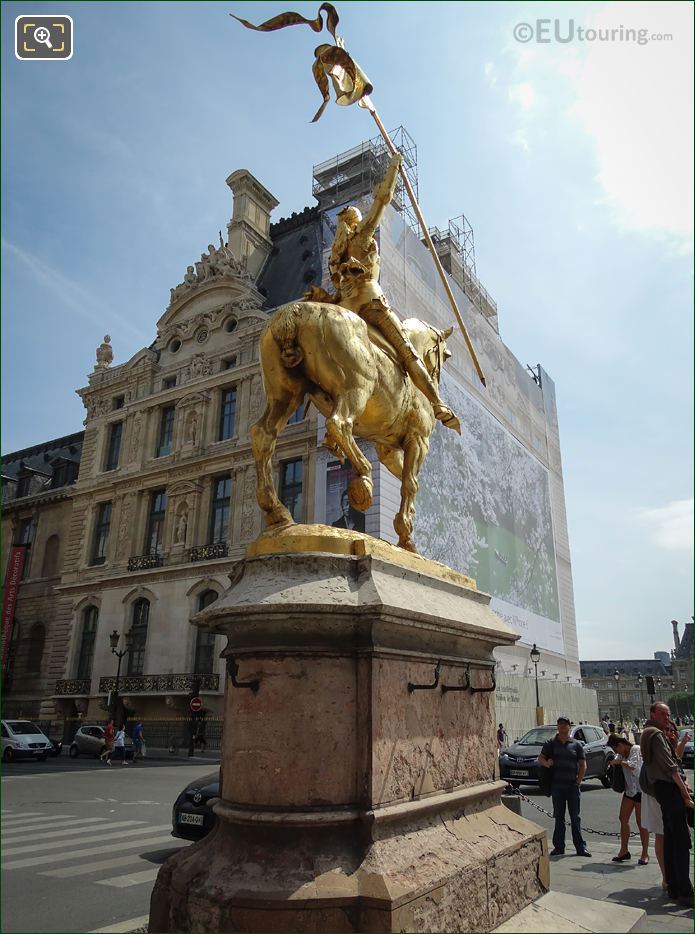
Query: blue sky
column 572, row 160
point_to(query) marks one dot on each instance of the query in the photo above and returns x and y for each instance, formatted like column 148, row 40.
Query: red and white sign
column 196, row 704
column 12, row 580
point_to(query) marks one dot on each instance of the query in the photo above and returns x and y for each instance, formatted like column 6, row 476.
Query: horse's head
column 430, row 344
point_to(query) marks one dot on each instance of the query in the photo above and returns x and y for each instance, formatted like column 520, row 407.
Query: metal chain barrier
column 600, row 833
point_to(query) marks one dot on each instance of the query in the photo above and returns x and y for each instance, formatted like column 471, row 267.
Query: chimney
column 249, row 228
column 676, row 637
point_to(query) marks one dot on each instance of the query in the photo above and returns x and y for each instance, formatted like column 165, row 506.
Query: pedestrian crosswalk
column 63, row 846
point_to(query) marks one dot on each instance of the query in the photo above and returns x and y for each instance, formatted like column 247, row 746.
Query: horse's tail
column 283, row 327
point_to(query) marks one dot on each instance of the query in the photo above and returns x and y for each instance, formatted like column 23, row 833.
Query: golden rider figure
column 354, row 266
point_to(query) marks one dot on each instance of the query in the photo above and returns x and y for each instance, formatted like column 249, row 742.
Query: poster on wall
column 339, row 513
column 484, row 509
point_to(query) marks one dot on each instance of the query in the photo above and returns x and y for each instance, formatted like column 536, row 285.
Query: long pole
column 119, row 655
column 620, row 706
column 538, row 700
column 428, row 240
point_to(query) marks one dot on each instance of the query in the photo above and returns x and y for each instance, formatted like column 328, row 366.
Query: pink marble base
column 349, row 802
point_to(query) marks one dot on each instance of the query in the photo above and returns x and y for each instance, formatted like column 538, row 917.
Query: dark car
column 688, row 751
column 56, row 746
column 192, row 816
column 519, row 762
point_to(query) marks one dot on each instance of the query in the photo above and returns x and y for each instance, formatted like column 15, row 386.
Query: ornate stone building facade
column 165, row 498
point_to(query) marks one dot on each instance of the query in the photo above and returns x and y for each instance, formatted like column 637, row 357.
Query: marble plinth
column 351, row 801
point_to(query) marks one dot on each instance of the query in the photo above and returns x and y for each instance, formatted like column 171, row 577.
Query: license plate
column 191, row 819
column 520, row 772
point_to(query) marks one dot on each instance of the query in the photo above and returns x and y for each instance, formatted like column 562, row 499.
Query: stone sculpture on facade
column 369, row 375
column 218, row 262
column 104, row 354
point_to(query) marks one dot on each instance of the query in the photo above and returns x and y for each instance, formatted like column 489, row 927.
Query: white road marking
column 133, row 878
column 57, row 844
column 8, row 815
column 103, row 824
column 12, row 822
column 67, row 872
column 79, row 854
column 15, row 829
column 123, row 926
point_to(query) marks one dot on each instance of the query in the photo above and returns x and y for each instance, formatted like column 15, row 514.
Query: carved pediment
column 183, row 488
column 193, row 399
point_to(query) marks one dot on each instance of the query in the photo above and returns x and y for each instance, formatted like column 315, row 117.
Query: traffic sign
column 196, row 704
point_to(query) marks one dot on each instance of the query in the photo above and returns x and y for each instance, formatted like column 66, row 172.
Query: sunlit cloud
column 671, row 525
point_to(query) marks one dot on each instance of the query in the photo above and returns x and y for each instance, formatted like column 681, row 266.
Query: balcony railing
column 159, row 684
column 145, row 562
column 73, row 687
column 208, row 552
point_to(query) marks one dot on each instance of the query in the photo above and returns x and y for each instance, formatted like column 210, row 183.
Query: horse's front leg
column 339, row 431
column 263, row 439
column 415, row 449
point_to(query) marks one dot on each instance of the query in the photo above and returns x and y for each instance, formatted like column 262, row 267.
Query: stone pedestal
column 353, row 800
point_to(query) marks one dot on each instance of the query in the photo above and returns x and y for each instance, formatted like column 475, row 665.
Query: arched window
column 37, row 641
column 204, row 662
column 90, row 618
column 50, row 557
column 138, row 629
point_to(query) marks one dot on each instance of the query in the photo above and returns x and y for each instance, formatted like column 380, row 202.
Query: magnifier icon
column 43, row 35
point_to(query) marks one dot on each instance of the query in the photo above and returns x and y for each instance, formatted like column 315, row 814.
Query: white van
column 22, row 739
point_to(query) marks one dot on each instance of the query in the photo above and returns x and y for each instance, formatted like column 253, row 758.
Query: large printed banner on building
column 484, row 509
column 14, row 576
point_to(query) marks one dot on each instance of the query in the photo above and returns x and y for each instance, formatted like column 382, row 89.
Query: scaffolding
column 455, row 247
column 353, row 174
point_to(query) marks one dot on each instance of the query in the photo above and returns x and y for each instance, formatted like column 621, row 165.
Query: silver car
column 22, row 739
column 89, row 741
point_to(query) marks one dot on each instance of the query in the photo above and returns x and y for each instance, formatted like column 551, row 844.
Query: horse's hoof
column 360, row 493
column 408, row 545
column 279, row 520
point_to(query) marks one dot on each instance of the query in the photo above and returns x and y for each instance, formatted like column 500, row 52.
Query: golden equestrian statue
column 369, row 375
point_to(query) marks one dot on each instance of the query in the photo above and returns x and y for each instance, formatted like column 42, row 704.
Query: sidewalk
column 622, row 884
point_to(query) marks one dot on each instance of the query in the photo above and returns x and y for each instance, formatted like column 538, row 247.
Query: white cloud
column 635, row 103
column 671, row 525
column 524, row 94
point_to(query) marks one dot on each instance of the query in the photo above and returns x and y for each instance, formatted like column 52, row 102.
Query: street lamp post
column 640, row 685
column 120, row 654
column 535, row 656
column 616, row 675
column 658, row 689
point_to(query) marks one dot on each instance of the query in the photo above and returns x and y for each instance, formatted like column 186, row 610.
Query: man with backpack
column 565, row 756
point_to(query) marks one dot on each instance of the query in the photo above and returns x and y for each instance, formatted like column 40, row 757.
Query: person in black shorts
column 565, row 756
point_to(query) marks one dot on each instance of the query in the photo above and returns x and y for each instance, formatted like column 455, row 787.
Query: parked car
column 22, row 739
column 89, row 741
column 192, row 816
column 519, row 762
column 688, row 751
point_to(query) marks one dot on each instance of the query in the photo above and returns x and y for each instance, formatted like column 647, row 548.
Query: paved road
column 82, row 842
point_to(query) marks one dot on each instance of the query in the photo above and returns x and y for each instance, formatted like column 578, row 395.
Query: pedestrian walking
column 673, row 795
column 502, row 740
column 611, row 727
column 139, row 741
column 119, row 746
column 604, row 724
column 108, row 742
column 565, row 756
column 629, row 758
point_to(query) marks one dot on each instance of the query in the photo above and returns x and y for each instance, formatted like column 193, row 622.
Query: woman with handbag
column 629, row 760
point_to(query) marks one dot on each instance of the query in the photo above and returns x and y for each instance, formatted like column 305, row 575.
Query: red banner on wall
column 12, row 580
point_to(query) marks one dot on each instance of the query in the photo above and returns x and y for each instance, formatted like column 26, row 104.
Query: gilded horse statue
column 369, row 374
column 321, row 351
